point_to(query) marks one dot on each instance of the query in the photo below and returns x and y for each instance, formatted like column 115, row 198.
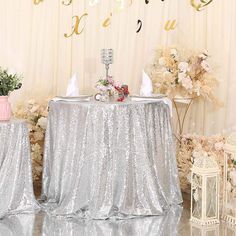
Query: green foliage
column 8, row 82
column 104, row 82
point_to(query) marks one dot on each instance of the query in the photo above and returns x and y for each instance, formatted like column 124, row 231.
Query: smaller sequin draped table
column 16, row 187
column 105, row 160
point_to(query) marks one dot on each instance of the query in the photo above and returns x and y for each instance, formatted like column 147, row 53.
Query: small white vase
column 5, row 109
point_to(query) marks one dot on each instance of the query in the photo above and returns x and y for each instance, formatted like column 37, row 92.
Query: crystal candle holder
column 107, row 59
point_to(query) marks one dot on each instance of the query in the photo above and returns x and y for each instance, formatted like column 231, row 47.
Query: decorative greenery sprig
column 8, row 82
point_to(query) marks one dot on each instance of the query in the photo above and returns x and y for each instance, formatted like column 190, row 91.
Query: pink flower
column 110, row 80
column 203, row 55
column 205, row 66
column 219, row 146
column 183, row 67
column 187, row 82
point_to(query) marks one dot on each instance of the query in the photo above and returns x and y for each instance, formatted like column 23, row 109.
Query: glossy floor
column 174, row 223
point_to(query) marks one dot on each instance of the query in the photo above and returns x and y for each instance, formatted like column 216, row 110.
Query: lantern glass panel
column 228, row 230
column 197, row 196
column 211, row 233
column 196, row 232
column 211, row 197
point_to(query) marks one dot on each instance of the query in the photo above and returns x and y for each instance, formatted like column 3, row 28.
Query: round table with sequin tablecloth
column 109, row 160
column 16, row 188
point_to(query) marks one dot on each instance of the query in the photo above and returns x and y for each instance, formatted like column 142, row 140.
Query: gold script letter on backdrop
column 200, row 6
column 67, row 3
column 107, row 21
column 36, row 2
column 170, row 25
column 93, row 2
column 75, row 28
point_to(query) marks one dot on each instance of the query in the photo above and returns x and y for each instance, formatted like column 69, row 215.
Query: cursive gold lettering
column 107, row 21
column 170, row 25
column 67, row 3
column 200, row 6
column 75, row 28
column 36, row 2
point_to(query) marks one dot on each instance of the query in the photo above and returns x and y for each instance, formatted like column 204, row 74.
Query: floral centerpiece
column 108, row 88
column 183, row 76
column 190, row 75
column 8, row 83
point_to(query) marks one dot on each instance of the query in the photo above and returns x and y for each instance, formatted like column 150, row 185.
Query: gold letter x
column 75, row 28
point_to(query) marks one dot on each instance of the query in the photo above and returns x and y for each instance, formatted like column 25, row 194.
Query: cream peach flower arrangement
column 176, row 72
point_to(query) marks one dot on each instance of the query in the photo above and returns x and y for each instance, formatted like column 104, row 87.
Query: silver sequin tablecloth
column 16, row 188
column 105, row 160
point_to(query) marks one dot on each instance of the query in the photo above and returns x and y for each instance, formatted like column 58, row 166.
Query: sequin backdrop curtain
column 32, row 42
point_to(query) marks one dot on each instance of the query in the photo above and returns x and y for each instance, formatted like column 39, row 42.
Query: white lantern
column 229, row 196
column 228, row 229
column 205, row 175
column 204, row 230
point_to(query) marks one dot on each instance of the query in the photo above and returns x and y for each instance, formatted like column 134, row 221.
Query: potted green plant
column 8, row 83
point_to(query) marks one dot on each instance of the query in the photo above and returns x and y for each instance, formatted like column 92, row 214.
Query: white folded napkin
column 73, row 87
column 168, row 102
column 146, row 86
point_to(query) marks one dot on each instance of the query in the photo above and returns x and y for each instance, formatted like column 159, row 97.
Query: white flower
column 31, row 102
column 181, row 76
column 42, row 122
column 205, row 66
column 167, row 73
column 102, row 88
column 187, row 83
column 185, row 80
column 203, row 55
column 162, row 61
column 183, row 66
column 173, row 52
column 34, row 109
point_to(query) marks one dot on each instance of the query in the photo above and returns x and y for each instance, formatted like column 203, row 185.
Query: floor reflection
column 145, row 226
column 176, row 222
column 17, row 225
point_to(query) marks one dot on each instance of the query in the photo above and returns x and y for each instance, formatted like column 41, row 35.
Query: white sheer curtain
column 32, row 42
